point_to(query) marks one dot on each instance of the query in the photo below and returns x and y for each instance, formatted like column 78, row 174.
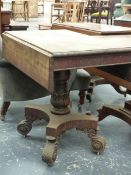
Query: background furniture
column 20, row 9
column 126, row 5
column 57, row 12
column 5, row 16
column 124, row 21
column 103, row 11
column 118, row 11
column 33, row 8
column 40, row 7
column 28, row 9
column 73, row 11
column 67, row 11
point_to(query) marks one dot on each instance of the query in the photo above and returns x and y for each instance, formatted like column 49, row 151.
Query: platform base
column 57, row 125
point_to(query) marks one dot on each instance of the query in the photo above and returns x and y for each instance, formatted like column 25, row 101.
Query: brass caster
column 24, row 127
column 2, row 117
column 98, row 144
column 49, row 153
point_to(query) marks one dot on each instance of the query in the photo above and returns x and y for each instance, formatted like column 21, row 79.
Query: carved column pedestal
column 60, row 118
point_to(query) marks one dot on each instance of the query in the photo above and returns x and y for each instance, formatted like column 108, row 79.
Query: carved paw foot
column 49, row 154
column 98, row 144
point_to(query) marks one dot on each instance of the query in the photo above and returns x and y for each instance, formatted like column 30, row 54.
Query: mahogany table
column 47, row 57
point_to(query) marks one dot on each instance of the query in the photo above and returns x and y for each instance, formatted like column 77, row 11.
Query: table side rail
column 29, row 60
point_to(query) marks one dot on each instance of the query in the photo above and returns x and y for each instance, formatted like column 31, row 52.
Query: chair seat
column 97, row 14
column 81, row 81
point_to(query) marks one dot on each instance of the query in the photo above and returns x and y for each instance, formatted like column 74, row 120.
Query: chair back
column 20, row 8
column 92, row 6
column 101, row 10
column 104, row 5
column 108, row 6
column 72, row 11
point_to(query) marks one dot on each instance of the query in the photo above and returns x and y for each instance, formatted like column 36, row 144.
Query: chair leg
column 4, row 109
column 82, row 96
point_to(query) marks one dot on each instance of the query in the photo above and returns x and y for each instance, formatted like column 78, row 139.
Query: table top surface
column 40, row 53
column 100, row 28
column 63, row 42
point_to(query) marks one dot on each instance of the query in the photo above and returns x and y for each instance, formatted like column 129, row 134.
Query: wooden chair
column 92, row 7
column 20, row 9
column 67, row 12
column 103, row 11
column 56, row 12
column 84, row 11
column 72, row 11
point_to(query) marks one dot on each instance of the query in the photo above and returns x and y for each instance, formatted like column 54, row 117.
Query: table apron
column 94, row 60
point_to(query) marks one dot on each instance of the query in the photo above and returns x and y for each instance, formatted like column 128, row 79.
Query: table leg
column 4, row 108
column 123, row 113
column 60, row 118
